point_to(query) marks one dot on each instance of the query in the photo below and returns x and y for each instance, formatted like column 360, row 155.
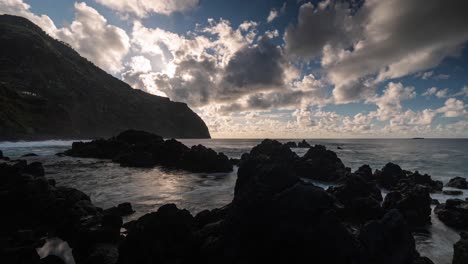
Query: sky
column 281, row 69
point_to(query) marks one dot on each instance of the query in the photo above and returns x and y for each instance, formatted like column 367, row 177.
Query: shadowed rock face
column 47, row 90
column 133, row 148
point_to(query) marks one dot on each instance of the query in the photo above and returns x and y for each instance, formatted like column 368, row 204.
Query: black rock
column 388, row 240
column 303, row 144
column 454, row 213
column 390, row 175
column 360, row 198
column 321, row 164
column 458, row 182
column 452, row 192
column 29, row 155
column 162, row 237
column 291, row 144
column 52, row 259
column 460, row 250
column 365, row 172
column 203, row 159
column 414, row 204
column 122, row 209
column 1, row 154
column 35, row 169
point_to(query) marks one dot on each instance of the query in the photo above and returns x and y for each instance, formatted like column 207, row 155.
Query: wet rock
column 422, row 260
column 388, row 240
column 460, row 250
column 365, row 172
column 321, row 164
column 52, row 259
column 141, row 159
column 454, row 213
column 35, row 168
column 162, row 237
column 360, row 198
column 1, row 154
column 435, row 202
column 303, row 144
column 203, row 159
column 29, row 155
column 141, row 149
column 414, row 204
column 458, row 182
column 234, row 161
column 122, row 209
column 452, row 192
column 291, row 144
column 392, row 177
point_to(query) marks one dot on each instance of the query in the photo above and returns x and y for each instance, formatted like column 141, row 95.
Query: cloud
column 427, row 75
column 272, row 15
column 463, row 92
column 89, row 34
column 453, row 108
column 361, row 47
column 19, row 8
column 327, row 23
column 430, row 91
column 144, row 8
column 389, row 103
column 95, row 39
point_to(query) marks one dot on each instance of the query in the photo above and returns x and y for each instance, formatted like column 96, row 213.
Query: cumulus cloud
column 19, row 8
column 389, row 103
column 272, row 15
column 381, row 40
column 453, row 108
column 143, row 8
column 463, row 92
column 95, row 39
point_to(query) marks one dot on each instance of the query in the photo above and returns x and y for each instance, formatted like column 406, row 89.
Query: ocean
column 108, row 184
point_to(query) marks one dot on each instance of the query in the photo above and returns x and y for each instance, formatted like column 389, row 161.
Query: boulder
column 203, row 159
column 365, row 172
column 361, row 199
column 1, row 154
column 29, row 155
column 458, row 182
column 141, row 159
column 452, row 192
column 122, row 209
column 321, row 164
column 413, row 203
column 390, row 175
column 303, row 144
column 454, row 213
column 162, row 237
column 388, row 240
column 35, row 169
column 460, row 250
column 134, row 148
column 291, row 144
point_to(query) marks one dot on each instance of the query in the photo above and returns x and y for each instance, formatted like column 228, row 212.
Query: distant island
column 48, row 91
column 418, row 138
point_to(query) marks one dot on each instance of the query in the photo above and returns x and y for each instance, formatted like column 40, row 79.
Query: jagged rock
column 122, row 209
column 414, row 204
column 303, row 144
column 291, row 144
column 365, row 172
column 321, row 164
column 141, row 149
column 458, row 182
column 460, row 250
column 452, row 192
column 162, row 237
column 388, row 240
column 454, row 213
column 1, row 154
column 360, row 198
column 35, row 168
column 202, row 159
column 392, row 177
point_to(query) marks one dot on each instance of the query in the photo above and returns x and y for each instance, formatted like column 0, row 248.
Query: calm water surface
column 109, row 184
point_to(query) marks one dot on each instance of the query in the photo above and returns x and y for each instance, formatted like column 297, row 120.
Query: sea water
column 108, row 184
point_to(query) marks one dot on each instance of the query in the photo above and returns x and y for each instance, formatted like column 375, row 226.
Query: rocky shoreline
column 276, row 214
